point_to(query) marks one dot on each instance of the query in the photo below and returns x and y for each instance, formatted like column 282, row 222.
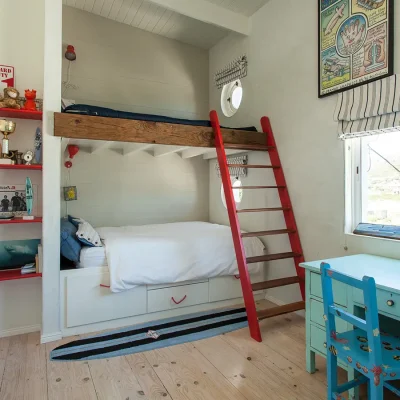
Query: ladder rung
column 275, row 311
column 249, row 210
column 268, row 233
column 275, row 283
column 256, row 147
column 253, row 166
column 259, row 187
column 271, row 257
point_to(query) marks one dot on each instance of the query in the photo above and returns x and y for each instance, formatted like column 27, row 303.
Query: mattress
column 85, row 109
column 92, row 257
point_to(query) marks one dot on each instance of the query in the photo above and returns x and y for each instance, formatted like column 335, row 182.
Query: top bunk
column 98, row 123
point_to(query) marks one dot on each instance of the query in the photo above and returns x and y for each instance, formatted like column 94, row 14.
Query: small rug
column 152, row 335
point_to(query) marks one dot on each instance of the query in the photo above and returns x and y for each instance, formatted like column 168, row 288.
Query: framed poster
column 355, row 43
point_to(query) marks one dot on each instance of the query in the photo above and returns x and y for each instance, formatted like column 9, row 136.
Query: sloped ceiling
column 144, row 14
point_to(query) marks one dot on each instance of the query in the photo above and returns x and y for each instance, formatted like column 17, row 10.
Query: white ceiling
column 146, row 15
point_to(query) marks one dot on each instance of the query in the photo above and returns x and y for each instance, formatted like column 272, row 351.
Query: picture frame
column 355, row 43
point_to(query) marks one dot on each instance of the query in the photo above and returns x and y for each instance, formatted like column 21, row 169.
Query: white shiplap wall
column 129, row 69
column 153, row 18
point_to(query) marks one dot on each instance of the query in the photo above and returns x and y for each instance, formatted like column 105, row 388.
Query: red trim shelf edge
column 19, row 220
column 14, row 274
column 22, row 167
column 21, row 114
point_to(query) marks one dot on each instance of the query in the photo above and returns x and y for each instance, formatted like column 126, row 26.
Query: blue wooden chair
column 374, row 355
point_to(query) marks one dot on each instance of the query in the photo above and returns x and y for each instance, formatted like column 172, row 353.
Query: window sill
column 360, row 244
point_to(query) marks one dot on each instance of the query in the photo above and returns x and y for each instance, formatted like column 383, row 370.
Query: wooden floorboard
column 227, row 367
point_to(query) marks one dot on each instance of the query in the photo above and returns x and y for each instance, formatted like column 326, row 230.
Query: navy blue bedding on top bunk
column 84, row 109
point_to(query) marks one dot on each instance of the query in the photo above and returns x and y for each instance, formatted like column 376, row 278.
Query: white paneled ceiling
column 245, row 7
column 153, row 18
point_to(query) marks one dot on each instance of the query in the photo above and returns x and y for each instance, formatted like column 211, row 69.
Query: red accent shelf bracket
column 34, row 167
column 21, row 114
column 13, row 274
column 19, row 220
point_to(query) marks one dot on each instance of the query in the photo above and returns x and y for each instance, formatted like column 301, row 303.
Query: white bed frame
column 88, row 307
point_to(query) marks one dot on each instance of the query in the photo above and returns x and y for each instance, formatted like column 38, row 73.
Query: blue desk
column 386, row 273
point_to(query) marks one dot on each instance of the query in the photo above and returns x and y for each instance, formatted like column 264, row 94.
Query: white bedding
column 169, row 253
column 92, row 257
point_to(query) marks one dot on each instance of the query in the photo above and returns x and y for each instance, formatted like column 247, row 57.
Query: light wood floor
column 227, row 367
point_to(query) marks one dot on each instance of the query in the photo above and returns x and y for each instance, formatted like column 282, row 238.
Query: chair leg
column 332, row 367
column 375, row 392
column 354, row 394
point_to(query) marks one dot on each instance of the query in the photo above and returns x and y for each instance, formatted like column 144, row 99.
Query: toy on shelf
column 29, row 200
column 11, row 99
column 30, row 104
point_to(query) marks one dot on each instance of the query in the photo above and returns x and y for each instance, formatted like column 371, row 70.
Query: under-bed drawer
column 88, row 303
column 177, row 296
column 225, row 288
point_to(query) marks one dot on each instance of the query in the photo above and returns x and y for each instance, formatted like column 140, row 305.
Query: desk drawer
column 318, row 339
column 317, row 316
column 339, row 289
column 384, row 298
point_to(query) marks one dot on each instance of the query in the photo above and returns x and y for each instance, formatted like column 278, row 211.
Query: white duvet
column 169, row 253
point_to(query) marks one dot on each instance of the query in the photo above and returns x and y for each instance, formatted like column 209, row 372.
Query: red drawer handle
column 107, row 286
column 179, row 302
column 237, row 276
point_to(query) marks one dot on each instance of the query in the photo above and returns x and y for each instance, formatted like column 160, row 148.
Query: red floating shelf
column 35, row 167
column 22, row 114
column 12, row 274
column 19, row 220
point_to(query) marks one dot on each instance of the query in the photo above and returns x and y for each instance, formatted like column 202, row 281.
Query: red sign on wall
column 6, row 76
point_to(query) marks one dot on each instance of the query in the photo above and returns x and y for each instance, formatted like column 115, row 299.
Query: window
column 231, row 98
column 373, row 180
column 237, row 193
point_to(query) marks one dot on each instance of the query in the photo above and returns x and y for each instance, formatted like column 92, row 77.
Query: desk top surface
column 385, row 271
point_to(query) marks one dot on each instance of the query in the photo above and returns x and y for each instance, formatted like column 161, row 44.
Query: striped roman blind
column 370, row 109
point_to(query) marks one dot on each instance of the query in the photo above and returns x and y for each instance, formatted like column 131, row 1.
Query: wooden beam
column 160, row 151
column 133, row 148
column 189, row 153
column 209, row 13
column 127, row 130
column 100, row 145
column 213, row 154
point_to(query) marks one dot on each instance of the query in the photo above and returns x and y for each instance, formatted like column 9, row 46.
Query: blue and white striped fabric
column 370, row 109
column 136, row 339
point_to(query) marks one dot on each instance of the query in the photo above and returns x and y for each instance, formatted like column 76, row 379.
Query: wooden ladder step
column 250, row 210
column 253, row 166
column 268, row 233
column 275, row 283
column 280, row 310
column 259, row 187
column 271, row 257
column 255, row 147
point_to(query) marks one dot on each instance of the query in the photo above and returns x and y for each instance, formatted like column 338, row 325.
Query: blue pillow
column 70, row 246
column 74, row 221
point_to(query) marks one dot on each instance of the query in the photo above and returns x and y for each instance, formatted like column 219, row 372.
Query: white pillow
column 87, row 235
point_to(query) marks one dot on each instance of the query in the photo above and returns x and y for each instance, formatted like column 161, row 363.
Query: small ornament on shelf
column 30, row 104
column 29, row 200
column 38, row 145
column 6, row 128
column 28, row 157
column 11, row 99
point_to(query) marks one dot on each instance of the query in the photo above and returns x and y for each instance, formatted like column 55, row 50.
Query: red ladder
column 253, row 315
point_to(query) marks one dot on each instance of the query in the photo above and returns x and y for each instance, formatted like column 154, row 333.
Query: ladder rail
column 288, row 214
column 245, row 281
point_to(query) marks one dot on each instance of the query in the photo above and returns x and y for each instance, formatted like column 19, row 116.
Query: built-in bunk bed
column 125, row 280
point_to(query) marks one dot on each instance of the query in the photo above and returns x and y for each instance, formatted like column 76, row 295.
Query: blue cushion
column 70, row 246
column 74, row 221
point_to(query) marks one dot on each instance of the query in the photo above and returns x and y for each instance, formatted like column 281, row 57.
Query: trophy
column 6, row 128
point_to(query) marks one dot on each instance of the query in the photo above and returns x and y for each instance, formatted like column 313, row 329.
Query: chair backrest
column 371, row 323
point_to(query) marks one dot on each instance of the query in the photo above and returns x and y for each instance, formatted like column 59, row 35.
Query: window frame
column 356, row 183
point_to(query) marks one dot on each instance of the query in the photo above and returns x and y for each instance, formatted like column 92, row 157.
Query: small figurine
column 30, row 96
column 11, row 98
column 38, row 145
column 28, row 157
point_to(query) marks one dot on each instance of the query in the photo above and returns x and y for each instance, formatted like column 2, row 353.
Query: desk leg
column 354, row 394
column 310, row 359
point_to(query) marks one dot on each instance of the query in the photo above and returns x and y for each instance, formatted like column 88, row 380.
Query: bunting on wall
column 369, row 109
column 237, row 69
column 235, row 171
